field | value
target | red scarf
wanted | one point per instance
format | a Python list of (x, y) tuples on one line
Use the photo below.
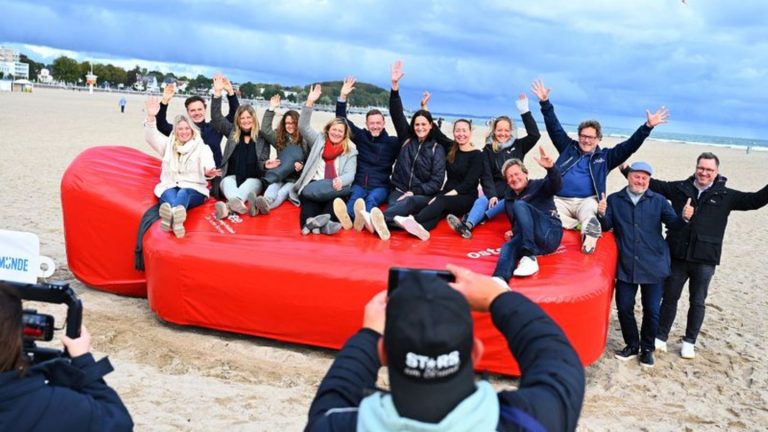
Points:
[(330, 153)]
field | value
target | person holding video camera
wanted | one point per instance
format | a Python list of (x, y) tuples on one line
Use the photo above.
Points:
[(423, 333), (56, 395)]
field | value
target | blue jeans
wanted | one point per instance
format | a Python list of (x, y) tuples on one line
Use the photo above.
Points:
[(650, 296), (536, 233), (373, 197), (186, 197), (481, 211), (700, 275)]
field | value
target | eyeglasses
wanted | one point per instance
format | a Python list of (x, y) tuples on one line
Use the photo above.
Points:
[(587, 137), (706, 170)]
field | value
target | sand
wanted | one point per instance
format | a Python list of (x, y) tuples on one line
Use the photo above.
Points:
[(179, 378)]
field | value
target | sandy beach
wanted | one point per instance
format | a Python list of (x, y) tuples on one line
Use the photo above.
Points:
[(175, 378)]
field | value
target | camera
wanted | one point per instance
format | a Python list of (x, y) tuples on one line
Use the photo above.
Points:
[(396, 275), (40, 327)]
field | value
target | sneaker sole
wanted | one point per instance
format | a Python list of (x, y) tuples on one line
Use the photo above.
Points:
[(646, 365), (262, 205), (359, 222), (340, 210), (179, 216), (252, 210), (166, 216), (414, 228), (379, 224), (220, 210), (618, 357), (589, 244), (237, 206)]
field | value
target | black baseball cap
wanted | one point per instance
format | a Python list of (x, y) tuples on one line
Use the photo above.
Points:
[(428, 340)]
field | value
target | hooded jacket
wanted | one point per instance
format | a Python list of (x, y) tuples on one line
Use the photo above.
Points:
[(549, 397), (701, 240), (62, 396)]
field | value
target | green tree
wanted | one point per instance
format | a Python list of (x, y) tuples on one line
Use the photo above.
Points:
[(34, 67), (65, 69), (248, 90), (132, 76)]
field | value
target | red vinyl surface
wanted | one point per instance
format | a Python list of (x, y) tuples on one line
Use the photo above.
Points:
[(262, 277)]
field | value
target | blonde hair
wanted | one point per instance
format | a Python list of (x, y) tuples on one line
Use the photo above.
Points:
[(492, 133), (254, 134), (183, 118), (345, 141)]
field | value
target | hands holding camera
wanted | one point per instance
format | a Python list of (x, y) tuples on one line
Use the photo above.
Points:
[(79, 346)]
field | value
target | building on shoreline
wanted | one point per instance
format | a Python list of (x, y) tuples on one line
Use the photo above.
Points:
[(10, 64)]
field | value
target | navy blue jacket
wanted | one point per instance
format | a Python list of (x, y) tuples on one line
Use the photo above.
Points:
[(643, 253), (493, 181), (602, 160), (539, 193), (551, 386), (375, 155), (61, 396), (420, 167), (701, 240), (211, 137)]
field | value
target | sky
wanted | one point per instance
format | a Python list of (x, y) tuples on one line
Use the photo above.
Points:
[(706, 60)]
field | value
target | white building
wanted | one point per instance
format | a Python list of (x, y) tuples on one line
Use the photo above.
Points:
[(10, 64), (44, 76)]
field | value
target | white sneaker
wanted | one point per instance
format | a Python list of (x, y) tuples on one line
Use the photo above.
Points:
[(359, 208), (412, 227), (526, 267), (340, 210), (379, 224), (660, 345), (687, 351)]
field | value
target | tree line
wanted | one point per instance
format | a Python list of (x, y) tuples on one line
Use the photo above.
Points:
[(68, 70)]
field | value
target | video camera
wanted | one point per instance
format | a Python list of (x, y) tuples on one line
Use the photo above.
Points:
[(40, 327)]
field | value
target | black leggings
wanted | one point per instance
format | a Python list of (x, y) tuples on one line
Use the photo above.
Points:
[(430, 215), (311, 208)]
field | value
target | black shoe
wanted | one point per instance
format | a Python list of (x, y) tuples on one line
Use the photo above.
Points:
[(646, 358), (628, 353), (459, 226)]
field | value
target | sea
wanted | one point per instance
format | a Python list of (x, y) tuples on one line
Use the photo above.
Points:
[(747, 144)]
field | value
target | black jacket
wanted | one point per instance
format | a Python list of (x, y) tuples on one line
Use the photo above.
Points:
[(493, 181), (61, 396), (701, 240), (551, 389), (375, 155), (420, 167)]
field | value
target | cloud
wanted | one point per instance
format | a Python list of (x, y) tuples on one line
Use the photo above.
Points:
[(603, 58)]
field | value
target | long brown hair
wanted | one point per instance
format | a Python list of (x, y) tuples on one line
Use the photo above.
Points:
[(282, 134), (12, 354), (451, 156)]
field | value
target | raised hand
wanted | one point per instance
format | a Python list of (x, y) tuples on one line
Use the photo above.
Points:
[(540, 91), (602, 205), (397, 74), (274, 102), (151, 106), (478, 289), (218, 84), (168, 92), (659, 117), (314, 94), (228, 86), (347, 87), (544, 159), (522, 103), (425, 100), (688, 210)]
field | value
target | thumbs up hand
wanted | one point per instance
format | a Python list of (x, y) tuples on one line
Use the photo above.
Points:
[(602, 205), (687, 210)]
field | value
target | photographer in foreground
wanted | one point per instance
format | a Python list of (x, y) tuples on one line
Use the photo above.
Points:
[(429, 349), (57, 395)]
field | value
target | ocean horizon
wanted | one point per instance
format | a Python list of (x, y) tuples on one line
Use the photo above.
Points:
[(674, 137)]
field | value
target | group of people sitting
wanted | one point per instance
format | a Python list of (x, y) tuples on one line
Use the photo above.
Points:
[(346, 177)]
